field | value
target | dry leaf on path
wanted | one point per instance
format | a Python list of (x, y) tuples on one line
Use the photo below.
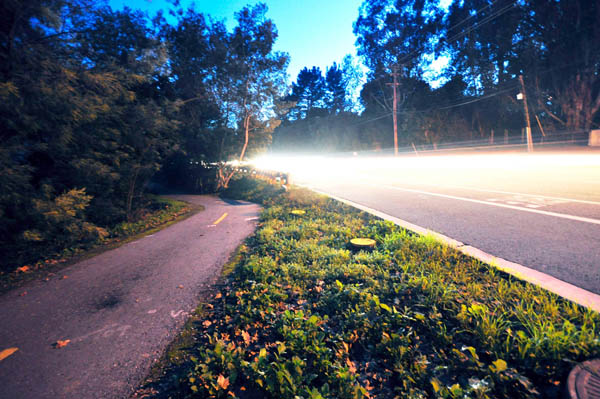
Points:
[(7, 352), (61, 344), (207, 323), (23, 269)]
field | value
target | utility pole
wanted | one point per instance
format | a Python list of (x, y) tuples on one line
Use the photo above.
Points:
[(395, 116), (528, 128)]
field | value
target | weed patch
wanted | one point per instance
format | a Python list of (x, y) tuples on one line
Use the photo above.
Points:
[(304, 315), (159, 213)]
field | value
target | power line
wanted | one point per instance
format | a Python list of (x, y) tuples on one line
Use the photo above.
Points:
[(410, 56), (388, 114), (476, 25)]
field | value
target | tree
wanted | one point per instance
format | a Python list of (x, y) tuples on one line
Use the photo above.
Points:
[(480, 36), (257, 75), (559, 54), (394, 32), (353, 79), (80, 110), (336, 89), (198, 51), (308, 92)]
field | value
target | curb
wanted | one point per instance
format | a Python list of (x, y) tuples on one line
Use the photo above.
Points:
[(566, 290)]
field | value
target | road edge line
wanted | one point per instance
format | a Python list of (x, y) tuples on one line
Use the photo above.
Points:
[(561, 288)]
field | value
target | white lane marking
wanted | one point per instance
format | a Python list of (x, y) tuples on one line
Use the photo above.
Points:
[(151, 311), (106, 331), (517, 208), (252, 218), (483, 190)]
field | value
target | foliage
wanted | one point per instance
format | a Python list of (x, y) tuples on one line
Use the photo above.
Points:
[(485, 45), (308, 92), (99, 100), (322, 117), (257, 191), (160, 211), (62, 223), (64, 234), (304, 315)]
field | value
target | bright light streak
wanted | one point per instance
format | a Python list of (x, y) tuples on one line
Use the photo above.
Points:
[(439, 168), (337, 164)]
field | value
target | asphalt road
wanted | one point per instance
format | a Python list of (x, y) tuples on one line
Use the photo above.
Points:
[(119, 309), (540, 210)]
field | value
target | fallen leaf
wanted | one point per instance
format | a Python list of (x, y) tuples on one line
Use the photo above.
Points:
[(7, 352), (180, 286), (351, 366), (207, 323), (61, 344), (246, 337), (23, 269), (346, 347), (64, 277), (23, 293), (222, 381), (218, 296)]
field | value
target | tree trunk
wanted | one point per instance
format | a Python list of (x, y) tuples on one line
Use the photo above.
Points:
[(131, 193), (246, 136)]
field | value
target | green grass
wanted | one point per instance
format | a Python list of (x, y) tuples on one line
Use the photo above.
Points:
[(162, 213), (303, 315)]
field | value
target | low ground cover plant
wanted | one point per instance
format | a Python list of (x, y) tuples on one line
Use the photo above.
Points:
[(303, 315), (68, 235)]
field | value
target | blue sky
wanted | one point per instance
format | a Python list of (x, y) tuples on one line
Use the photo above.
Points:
[(313, 32)]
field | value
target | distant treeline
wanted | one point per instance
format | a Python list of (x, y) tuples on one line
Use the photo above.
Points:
[(485, 45)]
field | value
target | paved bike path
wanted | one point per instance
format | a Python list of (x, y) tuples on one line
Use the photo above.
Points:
[(119, 309)]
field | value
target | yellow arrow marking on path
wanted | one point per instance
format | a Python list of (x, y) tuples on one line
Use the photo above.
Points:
[(7, 352), (219, 220)]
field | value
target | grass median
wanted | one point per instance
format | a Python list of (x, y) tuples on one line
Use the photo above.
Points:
[(304, 315)]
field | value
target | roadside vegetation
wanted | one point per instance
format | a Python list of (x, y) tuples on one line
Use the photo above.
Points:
[(69, 237), (304, 315)]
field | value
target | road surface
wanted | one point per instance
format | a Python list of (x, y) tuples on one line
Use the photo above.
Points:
[(119, 309), (539, 210)]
